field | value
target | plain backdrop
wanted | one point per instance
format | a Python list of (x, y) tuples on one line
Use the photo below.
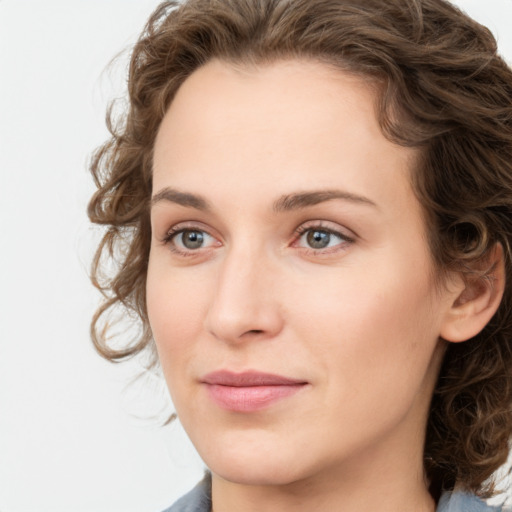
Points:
[(72, 432)]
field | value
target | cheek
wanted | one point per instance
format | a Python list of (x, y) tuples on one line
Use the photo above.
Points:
[(176, 304), (367, 327), (371, 343)]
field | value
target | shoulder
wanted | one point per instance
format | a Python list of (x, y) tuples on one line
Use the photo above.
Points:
[(465, 502), (197, 500)]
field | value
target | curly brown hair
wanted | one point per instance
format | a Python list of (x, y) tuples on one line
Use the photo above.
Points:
[(443, 89)]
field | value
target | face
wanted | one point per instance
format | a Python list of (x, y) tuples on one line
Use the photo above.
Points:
[(290, 287)]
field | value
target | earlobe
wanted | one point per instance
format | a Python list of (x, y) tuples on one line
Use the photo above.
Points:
[(477, 299)]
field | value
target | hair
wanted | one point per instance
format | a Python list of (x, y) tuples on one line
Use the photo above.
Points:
[(442, 89)]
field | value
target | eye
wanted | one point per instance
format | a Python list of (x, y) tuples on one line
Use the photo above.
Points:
[(318, 238), (189, 240)]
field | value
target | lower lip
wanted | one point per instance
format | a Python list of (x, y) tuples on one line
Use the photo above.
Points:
[(250, 398)]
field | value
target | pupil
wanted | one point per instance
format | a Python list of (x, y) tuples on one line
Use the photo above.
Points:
[(192, 239), (318, 239)]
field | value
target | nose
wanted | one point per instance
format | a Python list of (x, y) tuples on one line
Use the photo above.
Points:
[(244, 305)]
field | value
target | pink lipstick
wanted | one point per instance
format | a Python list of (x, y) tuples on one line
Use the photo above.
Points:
[(249, 391)]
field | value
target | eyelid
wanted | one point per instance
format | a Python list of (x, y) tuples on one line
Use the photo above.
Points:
[(191, 225), (329, 227)]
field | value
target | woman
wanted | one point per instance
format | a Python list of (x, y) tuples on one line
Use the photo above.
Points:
[(310, 203)]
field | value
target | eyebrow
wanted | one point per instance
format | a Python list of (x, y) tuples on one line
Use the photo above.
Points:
[(182, 198), (304, 199), (285, 203)]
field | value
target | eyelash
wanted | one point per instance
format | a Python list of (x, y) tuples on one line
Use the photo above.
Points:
[(322, 228), (170, 236)]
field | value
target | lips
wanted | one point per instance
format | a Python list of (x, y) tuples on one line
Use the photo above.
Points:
[(249, 391), (250, 378)]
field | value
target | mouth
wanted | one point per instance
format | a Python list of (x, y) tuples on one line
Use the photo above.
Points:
[(249, 391)]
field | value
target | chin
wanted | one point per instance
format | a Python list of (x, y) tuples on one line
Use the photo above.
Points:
[(249, 462), (254, 473)]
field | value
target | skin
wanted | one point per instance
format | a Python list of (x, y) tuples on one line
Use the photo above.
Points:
[(359, 320)]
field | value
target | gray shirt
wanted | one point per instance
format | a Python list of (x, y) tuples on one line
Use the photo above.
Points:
[(199, 500)]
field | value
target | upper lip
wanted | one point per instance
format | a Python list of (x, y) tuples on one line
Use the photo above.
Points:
[(248, 378)]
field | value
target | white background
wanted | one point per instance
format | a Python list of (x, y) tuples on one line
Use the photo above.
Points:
[(69, 436)]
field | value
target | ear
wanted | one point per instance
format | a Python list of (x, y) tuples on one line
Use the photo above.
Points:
[(476, 299)]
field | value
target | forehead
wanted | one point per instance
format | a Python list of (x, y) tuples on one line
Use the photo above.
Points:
[(294, 121)]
